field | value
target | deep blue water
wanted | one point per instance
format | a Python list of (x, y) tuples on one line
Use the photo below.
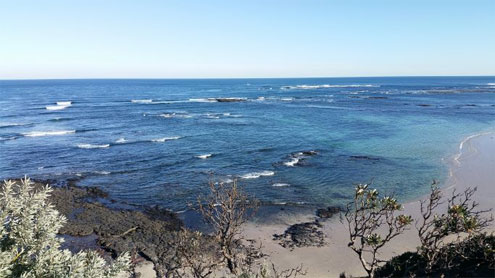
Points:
[(140, 139)]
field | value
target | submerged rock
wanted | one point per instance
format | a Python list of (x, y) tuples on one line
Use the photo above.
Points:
[(364, 157), (328, 212), (309, 153)]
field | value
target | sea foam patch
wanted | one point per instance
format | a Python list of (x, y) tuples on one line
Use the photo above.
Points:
[(60, 105), (255, 175), (309, 87), (204, 156), (141, 100), (164, 139), (280, 184), (92, 146), (48, 133)]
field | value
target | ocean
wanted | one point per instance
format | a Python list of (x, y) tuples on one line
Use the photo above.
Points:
[(299, 141)]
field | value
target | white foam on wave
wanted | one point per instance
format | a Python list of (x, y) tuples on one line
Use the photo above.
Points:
[(175, 115), (292, 162), (287, 99), (212, 116), (204, 156), (141, 100), (164, 139), (3, 125), (91, 146), (308, 87), (461, 145), (203, 100), (121, 140), (255, 175), (48, 133), (60, 105), (103, 172), (56, 107), (280, 184)]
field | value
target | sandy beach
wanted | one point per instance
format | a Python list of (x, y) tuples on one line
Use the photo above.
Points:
[(473, 166)]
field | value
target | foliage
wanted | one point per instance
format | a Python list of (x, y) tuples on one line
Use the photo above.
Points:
[(477, 259), (268, 270), (29, 246), (226, 209), (461, 219), (365, 217)]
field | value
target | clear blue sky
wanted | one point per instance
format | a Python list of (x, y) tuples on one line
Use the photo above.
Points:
[(250, 38)]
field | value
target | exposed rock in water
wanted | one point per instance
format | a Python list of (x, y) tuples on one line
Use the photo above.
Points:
[(309, 153), (328, 212), (298, 158), (230, 99), (302, 235)]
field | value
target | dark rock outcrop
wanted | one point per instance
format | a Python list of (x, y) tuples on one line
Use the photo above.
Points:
[(328, 212), (302, 235), (230, 99)]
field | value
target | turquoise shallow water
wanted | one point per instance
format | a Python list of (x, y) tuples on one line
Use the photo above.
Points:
[(160, 141)]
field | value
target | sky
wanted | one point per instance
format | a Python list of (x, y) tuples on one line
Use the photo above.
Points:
[(251, 38)]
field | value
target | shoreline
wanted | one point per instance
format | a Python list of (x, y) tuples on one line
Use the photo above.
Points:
[(93, 218), (469, 168)]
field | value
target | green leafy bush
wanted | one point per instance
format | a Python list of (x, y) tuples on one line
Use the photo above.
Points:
[(29, 246)]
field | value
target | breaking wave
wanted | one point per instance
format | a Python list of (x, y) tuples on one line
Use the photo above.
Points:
[(204, 156), (91, 146), (102, 172), (202, 100), (297, 157), (6, 125), (48, 133), (121, 140), (175, 115), (141, 100), (280, 184), (308, 87), (255, 175), (164, 139), (60, 105)]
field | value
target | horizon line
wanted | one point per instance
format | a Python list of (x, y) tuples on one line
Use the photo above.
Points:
[(231, 78)]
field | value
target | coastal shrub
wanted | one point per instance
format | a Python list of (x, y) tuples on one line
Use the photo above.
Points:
[(460, 221), (226, 209), (269, 270), (365, 216), (477, 259), (29, 246), (194, 255)]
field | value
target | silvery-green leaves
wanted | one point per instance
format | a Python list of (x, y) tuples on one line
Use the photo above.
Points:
[(29, 246)]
